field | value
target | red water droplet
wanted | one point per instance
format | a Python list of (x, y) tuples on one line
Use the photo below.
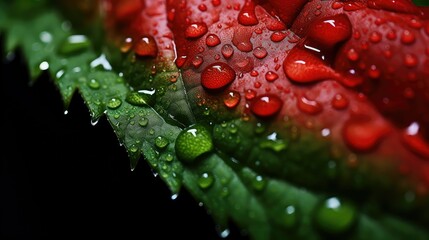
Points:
[(361, 133), (257, 84), (216, 2), (278, 36), (409, 93), (180, 61), (241, 39), (331, 30), (352, 55), (146, 47), (375, 37), (410, 60), (202, 7), (231, 99), (254, 73), (309, 106), (196, 30), (227, 51), (247, 16), (414, 141), (391, 35), (260, 52), (339, 101), (373, 72), (415, 23), (266, 105), (197, 61), (217, 75), (337, 5), (271, 76), (250, 94), (407, 37), (303, 67), (212, 40), (356, 35)]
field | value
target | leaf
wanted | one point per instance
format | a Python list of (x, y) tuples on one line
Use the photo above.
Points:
[(269, 200)]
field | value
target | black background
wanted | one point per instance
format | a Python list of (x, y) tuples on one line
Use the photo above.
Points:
[(61, 177)]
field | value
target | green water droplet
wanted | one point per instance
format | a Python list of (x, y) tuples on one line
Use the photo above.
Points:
[(161, 142), (289, 218), (143, 122), (205, 180), (114, 103), (74, 44), (141, 98), (94, 84), (232, 128), (334, 216), (193, 142), (116, 116), (133, 148), (169, 157), (206, 111), (152, 131), (274, 143), (259, 183), (260, 128), (224, 192)]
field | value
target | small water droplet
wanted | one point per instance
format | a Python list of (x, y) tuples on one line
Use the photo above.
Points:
[(94, 84), (361, 133), (231, 99), (407, 37), (143, 121), (260, 52), (259, 183), (141, 97), (205, 180), (227, 50), (271, 76), (174, 196), (217, 75), (309, 106), (196, 30), (266, 105), (212, 40), (44, 66), (146, 46)]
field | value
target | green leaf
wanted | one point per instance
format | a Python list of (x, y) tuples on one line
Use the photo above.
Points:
[(218, 163), (424, 3)]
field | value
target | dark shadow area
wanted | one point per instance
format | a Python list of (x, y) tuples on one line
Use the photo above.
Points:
[(62, 178)]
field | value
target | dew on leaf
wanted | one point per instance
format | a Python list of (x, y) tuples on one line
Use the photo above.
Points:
[(205, 180), (114, 103), (94, 84), (45, 37), (289, 218), (193, 142), (141, 97), (259, 183), (161, 142), (44, 66), (335, 216), (74, 44)]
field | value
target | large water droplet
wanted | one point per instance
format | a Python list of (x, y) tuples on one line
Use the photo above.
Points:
[(247, 16), (217, 75), (193, 142), (114, 103), (414, 140), (196, 30), (161, 142), (212, 40), (146, 46), (309, 106), (334, 216)]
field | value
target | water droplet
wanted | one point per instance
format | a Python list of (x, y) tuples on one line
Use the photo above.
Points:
[(114, 103), (289, 218), (278, 36), (45, 37), (407, 37), (260, 52), (217, 76), (271, 76), (126, 45), (247, 16), (250, 94), (231, 99), (414, 140), (334, 216), (309, 106), (74, 44), (331, 30), (196, 30), (202, 7), (266, 105), (375, 37), (143, 121), (193, 142), (212, 40), (146, 46), (205, 180), (373, 72), (352, 55), (197, 61), (44, 66), (361, 133), (94, 84), (227, 51), (259, 183), (339, 101), (174, 196), (410, 60), (161, 142), (391, 35), (141, 97)]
